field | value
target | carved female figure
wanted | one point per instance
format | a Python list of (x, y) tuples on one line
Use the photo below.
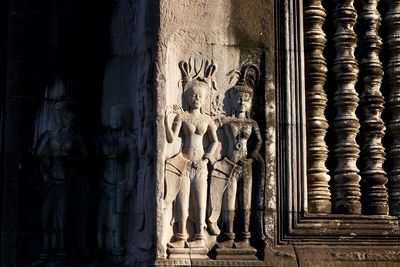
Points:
[(186, 172), (57, 149), (231, 178), (119, 151)]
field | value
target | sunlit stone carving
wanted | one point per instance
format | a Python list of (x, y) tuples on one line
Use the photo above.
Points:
[(231, 184), (186, 173)]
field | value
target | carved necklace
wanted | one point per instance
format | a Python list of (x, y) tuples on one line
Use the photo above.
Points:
[(186, 116)]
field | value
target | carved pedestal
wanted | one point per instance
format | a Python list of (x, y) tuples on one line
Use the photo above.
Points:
[(235, 254), (187, 253)]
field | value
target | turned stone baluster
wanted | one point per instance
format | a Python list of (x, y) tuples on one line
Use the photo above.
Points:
[(317, 124), (374, 192), (392, 22), (346, 191)]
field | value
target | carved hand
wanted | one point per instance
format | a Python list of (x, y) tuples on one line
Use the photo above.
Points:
[(174, 109), (168, 111), (177, 109), (210, 157)]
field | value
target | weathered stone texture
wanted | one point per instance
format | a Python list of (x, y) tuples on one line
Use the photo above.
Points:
[(321, 76)]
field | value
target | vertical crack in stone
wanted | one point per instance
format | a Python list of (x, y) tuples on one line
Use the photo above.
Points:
[(346, 193), (392, 22), (374, 192), (317, 124)]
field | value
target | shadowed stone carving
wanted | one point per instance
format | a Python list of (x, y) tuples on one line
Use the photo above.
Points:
[(146, 159), (186, 173), (231, 183), (59, 150), (119, 150)]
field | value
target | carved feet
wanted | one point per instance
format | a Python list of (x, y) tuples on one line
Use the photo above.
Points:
[(45, 259), (177, 244), (232, 244), (39, 262), (226, 244), (197, 243), (242, 244), (213, 228)]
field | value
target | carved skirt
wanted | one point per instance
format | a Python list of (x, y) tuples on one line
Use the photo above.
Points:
[(230, 187), (55, 204), (186, 183)]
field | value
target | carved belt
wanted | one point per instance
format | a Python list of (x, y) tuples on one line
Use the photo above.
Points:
[(193, 167)]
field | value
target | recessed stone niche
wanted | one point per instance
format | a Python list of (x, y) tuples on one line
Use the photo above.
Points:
[(199, 35)]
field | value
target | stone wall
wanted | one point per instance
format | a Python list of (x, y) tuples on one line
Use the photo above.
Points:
[(321, 103)]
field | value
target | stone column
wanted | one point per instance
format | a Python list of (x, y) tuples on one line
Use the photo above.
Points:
[(392, 22), (346, 191), (374, 193), (317, 124)]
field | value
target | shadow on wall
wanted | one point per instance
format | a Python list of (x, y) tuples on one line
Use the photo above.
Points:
[(61, 45)]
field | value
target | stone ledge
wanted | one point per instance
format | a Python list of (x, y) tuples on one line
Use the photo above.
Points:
[(208, 262), (347, 256)]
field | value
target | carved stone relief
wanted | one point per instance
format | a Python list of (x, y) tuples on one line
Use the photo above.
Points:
[(59, 151), (231, 183), (228, 186), (118, 148), (186, 173)]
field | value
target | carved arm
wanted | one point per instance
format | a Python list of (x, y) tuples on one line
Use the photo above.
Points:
[(172, 133), (256, 130), (41, 147), (212, 134), (132, 166)]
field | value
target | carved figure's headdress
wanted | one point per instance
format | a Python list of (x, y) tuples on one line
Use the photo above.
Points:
[(207, 67), (124, 113), (249, 77)]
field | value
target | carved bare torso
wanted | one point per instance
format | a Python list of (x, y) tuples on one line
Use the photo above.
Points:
[(116, 151), (194, 129), (58, 145), (238, 132)]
